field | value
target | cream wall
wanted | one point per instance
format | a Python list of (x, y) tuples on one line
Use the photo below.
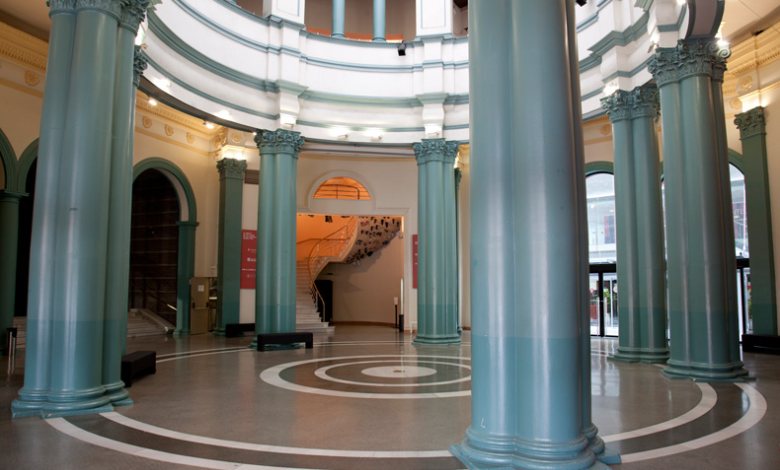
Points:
[(365, 291)]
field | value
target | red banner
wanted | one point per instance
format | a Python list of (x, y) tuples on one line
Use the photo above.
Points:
[(248, 258), (414, 260)]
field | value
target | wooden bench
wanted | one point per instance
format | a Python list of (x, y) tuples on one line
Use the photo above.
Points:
[(137, 364), (264, 339), (769, 344), (238, 329)]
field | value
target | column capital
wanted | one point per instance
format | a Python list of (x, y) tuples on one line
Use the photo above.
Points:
[(110, 7), (435, 150), (644, 101), (61, 6), (231, 168), (751, 123), (279, 141), (139, 65), (617, 105), (691, 57), (133, 13)]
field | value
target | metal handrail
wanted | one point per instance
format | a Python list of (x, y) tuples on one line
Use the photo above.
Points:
[(315, 262)]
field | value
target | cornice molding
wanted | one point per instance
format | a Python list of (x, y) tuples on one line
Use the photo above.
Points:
[(279, 141), (435, 150), (751, 123), (23, 48)]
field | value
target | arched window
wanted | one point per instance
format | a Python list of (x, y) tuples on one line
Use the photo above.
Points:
[(600, 195), (342, 188)]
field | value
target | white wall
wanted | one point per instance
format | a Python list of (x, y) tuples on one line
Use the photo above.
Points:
[(364, 291)]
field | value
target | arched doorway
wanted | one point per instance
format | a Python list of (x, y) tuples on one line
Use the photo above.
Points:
[(154, 242), (365, 280), (26, 177), (162, 249), (602, 237)]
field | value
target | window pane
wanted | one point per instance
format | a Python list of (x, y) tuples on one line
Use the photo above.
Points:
[(601, 217)]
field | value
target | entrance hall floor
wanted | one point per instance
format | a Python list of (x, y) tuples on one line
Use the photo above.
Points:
[(366, 398)]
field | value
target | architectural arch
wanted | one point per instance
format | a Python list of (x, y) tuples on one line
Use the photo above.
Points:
[(26, 161), (736, 159), (591, 168), (188, 208), (185, 269), (8, 160), (338, 205)]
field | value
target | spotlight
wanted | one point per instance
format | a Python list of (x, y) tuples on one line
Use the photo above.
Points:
[(581, 2), (402, 49)]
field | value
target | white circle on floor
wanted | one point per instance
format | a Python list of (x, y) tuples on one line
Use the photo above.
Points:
[(323, 373), (398, 372), (272, 376)]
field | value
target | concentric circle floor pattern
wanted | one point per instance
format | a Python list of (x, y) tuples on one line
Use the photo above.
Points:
[(381, 403)]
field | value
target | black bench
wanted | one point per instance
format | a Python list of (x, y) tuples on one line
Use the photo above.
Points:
[(137, 364), (264, 339), (761, 344), (238, 329)]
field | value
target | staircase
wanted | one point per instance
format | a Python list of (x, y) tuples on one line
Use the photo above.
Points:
[(306, 316), (140, 322)]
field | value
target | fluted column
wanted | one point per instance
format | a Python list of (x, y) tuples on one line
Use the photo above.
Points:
[(9, 220), (639, 224), (69, 369), (231, 188), (701, 297), (275, 298), (752, 130), (339, 11), (527, 194), (130, 63), (437, 315), (379, 21)]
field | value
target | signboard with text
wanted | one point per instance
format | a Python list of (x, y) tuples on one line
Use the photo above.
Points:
[(248, 258)]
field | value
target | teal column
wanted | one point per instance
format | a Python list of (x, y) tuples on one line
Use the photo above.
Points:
[(701, 296), (9, 220), (752, 129), (339, 11), (33, 394), (231, 189), (526, 198), (639, 224), (71, 226), (184, 272), (275, 295), (379, 21), (129, 66), (437, 315)]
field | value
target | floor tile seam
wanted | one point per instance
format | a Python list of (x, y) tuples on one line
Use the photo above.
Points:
[(269, 448), (755, 413)]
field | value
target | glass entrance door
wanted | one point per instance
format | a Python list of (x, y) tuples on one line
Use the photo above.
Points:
[(603, 307)]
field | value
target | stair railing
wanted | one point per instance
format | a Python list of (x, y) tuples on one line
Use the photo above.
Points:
[(334, 246)]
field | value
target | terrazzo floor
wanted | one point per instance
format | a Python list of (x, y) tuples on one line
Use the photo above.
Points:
[(366, 398)]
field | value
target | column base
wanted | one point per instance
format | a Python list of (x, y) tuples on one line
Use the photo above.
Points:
[(219, 331), (337, 35), (481, 451), (728, 372), (437, 339), (51, 404), (118, 395), (181, 332), (378, 40), (644, 355)]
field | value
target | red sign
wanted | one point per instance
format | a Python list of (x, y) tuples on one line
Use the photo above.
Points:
[(415, 244), (248, 258)]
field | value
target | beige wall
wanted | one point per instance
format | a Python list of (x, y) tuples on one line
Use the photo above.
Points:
[(365, 291)]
